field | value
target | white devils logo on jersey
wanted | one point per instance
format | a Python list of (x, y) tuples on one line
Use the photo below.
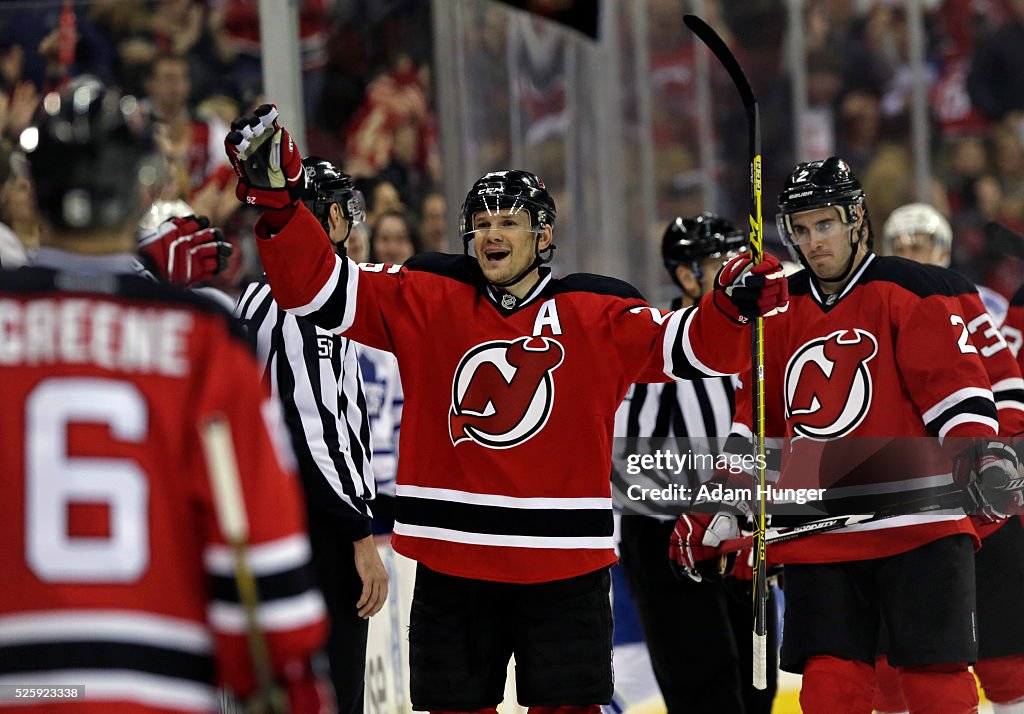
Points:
[(503, 391), (828, 384)]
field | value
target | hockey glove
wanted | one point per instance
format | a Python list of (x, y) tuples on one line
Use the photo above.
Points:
[(988, 472), (692, 548), (184, 251), (744, 291), (265, 159)]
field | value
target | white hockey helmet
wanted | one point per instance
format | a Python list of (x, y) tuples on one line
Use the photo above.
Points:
[(919, 218)]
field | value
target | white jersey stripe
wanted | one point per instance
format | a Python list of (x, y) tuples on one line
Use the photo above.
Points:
[(1008, 384), (688, 348), (131, 685), (967, 419), (274, 616), (953, 399), (264, 558), (487, 499), (504, 540), (107, 626), (325, 292)]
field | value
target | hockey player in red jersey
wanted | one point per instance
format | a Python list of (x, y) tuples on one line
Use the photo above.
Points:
[(116, 573), (872, 347), (511, 380), (917, 231)]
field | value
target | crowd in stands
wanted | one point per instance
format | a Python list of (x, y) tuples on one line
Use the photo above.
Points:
[(369, 104)]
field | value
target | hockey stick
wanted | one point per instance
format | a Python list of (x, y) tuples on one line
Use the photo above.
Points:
[(954, 497), (760, 580), (1003, 240), (234, 525)]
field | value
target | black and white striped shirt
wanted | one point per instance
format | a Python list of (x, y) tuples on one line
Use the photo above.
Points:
[(315, 375), (684, 416)]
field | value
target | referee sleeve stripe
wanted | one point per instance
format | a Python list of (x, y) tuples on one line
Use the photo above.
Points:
[(318, 406)]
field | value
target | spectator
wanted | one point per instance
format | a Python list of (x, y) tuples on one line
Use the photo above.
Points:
[(996, 78), (192, 145), (394, 239), (433, 224)]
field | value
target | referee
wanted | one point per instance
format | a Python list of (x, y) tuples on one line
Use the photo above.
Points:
[(698, 634), (315, 374)]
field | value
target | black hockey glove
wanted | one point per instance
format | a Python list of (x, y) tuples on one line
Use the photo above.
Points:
[(265, 159), (988, 472)]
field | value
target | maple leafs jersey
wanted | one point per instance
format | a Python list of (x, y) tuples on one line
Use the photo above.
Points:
[(509, 403), (115, 572), (885, 364)]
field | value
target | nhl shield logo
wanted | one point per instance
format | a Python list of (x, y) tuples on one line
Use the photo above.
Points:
[(503, 391), (828, 384)]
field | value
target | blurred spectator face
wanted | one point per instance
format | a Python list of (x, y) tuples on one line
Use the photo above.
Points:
[(391, 241), (168, 85), (860, 117), (969, 157), (989, 195), (404, 144), (385, 198), (1008, 152), (17, 201), (434, 227)]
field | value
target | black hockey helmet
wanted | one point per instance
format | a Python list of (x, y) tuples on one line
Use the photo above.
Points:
[(819, 184), (90, 149), (327, 184), (690, 241), (513, 189)]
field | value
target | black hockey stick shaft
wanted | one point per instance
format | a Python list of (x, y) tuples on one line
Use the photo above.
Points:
[(1003, 240), (953, 497), (760, 578)]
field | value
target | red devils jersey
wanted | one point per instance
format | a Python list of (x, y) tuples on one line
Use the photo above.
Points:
[(115, 574), (1003, 371), (509, 403), (889, 359)]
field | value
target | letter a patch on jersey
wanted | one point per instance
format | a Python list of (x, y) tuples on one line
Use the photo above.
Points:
[(503, 391), (828, 384)]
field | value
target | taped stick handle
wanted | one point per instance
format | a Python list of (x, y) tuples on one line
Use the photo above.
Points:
[(219, 450)]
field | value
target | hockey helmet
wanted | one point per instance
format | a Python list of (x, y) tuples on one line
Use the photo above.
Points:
[(691, 241), (819, 184), (514, 190), (327, 184), (90, 149), (918, 219)]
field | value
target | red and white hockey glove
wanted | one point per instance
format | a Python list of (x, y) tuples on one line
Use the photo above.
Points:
[(265, 159), (988, 472), (744, 291), (693, 545), (184, 251)]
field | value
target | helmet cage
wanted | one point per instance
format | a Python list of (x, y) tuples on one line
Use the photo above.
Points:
[(327, 185), (845, 206)]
